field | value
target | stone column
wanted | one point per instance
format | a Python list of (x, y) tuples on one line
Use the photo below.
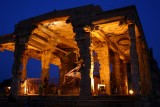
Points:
[(144, 66), (16, 68), (103, 57), (117, 73), (45, 62), (24, 65), (22, 34), (84, 50), (83, 42), (124, 83), (92, 69), (141, 65), (82, 28), (147, 69), (135, 79), (65, 68)]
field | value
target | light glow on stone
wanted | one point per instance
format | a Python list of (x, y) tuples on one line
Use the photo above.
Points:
[(131, 92)]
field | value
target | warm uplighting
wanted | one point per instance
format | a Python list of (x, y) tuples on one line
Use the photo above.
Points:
[(58, 22), (131, 92), (25, 87), (9, 88), (101, 85), (92, 69), (31, 86)]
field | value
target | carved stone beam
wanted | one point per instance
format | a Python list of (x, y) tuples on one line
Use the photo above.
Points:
[(37, 55), (56, 61), (57, 37), (39, 32), (46, 43), (61, 50), (122, 55), (7, 46), (39, 39), (33, 54), (32, 45), (108, 20), (41, 43)]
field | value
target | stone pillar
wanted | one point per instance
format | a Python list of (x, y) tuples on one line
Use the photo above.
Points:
[(124, 83), (22, 36), (83, 42), (24, 65), (144, 66), (135, 79), (82, 30), (45, 62), (117, 73), (147, 69), (103, 57), (141, 65), (65, 68), (17, 65), (92, 68)]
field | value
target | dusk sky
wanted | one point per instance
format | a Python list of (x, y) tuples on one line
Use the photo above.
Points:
[(13, 11)]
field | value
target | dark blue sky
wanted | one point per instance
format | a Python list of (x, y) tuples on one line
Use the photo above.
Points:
[(13, 11)]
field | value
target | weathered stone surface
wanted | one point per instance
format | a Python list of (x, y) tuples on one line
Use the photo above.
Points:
[(82, 31), (118, 74), (16, 69), (135, 79), (103, 57), (24, 67), (85, 85), (124, 83)]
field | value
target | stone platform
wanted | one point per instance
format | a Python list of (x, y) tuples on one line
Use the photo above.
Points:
[(76, 101)]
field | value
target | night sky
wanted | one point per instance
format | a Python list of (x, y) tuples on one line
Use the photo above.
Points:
[(13, 11)]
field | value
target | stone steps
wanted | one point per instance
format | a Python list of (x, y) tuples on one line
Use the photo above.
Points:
[(76, 101)]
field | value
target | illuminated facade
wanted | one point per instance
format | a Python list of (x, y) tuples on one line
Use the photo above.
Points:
[(76, 40)]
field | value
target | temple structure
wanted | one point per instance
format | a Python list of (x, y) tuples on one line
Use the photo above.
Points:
[(106, 50)]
